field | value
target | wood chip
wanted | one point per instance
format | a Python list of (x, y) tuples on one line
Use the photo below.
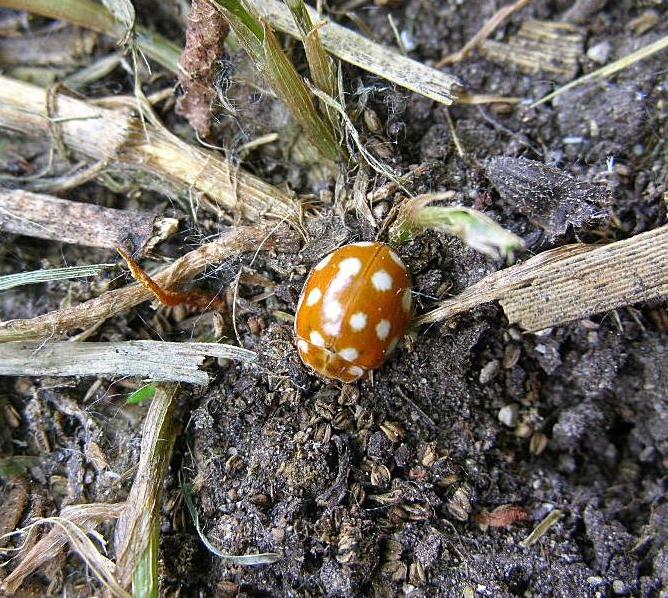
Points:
[(540, 46)]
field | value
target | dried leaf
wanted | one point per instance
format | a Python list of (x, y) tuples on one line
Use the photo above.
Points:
[(549, 197), (205, 41)]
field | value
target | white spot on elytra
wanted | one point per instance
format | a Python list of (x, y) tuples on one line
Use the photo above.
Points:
[(358, 321), (362, 244), (333, 309), (383, 329), (348, 269), (351, 266), (316, 339), (323, 262), (302, 345), (407, 301), (397, 260), (393, 345), (381, 281), (349, 354), (313, 296), (355, 371), (332, 328)]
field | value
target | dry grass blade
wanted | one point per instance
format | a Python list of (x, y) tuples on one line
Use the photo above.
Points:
[(542, 528), (263, 558), (82, 517), (609, 69), (354, 48), (48, 217), (234, 241), (267, 54), (91, 15), (37, 276), (321, 66), (155, 360), (145, 579), (116, 136), (124, 14), (570, 283), (142, 507)]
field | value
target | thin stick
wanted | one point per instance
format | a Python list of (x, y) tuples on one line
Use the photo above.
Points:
[(486, 30), (609, 69), (57, 323)]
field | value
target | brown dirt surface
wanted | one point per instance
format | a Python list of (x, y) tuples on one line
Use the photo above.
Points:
[(426, 479)]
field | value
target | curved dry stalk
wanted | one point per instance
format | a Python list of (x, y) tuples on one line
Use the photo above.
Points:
[(91, 15), (109, 131), (74, 521), (142, 507), (236, 240)]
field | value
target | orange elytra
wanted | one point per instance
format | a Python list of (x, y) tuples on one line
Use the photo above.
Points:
[(354, 308)]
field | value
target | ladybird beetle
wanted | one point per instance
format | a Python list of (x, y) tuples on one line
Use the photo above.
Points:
[(354, 308)]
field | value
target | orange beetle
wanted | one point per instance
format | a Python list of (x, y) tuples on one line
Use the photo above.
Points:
[(354, 308)]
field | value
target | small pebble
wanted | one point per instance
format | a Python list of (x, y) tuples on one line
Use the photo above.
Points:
[(508, 415), (618, 586), (488, 372), (600, 52)]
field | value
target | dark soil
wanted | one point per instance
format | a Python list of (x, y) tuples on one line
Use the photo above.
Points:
[(383, 488)]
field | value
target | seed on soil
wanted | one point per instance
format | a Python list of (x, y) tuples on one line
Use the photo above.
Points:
[(396, 570), (523, 430), (380, 475), (508, 415), (416, 574), (538, 443), (511, 356), (372, 121), (459, 505), (430, 455), (488, 372), (393, 430), (357, 494)]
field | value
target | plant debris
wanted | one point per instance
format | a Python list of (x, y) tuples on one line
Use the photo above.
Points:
[(549, 197), (200, 65), (148, 359)]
